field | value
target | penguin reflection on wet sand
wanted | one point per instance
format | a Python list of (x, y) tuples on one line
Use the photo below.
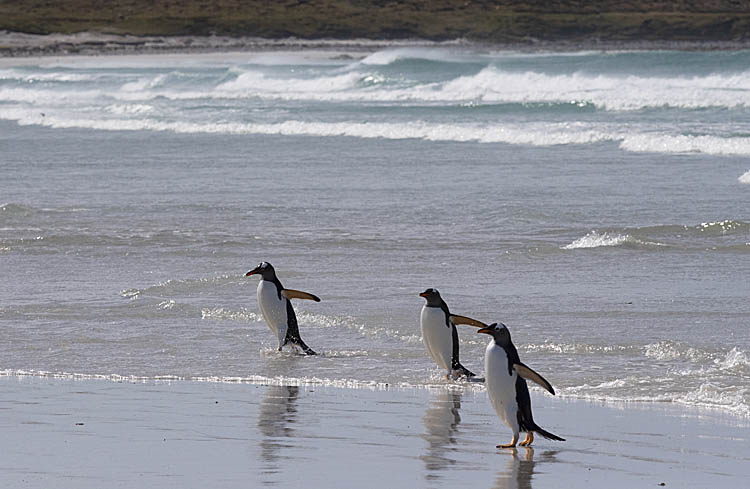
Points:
[(440, 335), (276, 307), (506, 386)]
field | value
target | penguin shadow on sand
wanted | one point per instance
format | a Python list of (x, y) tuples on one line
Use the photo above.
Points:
[(276, 419), (520, 467), (441, 420)]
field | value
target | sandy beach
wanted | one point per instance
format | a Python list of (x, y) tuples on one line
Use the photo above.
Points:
[(95, 433)]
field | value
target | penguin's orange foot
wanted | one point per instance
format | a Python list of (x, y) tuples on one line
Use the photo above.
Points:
[(529, 439), (512, 443)]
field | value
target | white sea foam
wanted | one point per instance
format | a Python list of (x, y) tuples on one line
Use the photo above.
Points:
[(579, 348), (537, 135), (745, 177), (220, 313), (257, 84), (89, 99), (250, 379), (596, 240), (670, 350), (668, 143), (129, 109), (27, 77), (144, 83), (390, 56), (735, 359), (710, 395), (491, 85)]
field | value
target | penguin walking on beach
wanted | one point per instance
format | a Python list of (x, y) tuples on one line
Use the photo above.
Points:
[(276, 306), (506, 386), (440, 335)]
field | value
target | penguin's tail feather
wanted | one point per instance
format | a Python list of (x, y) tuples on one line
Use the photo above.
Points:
[(461, 371), (547, 434), (306, 349)]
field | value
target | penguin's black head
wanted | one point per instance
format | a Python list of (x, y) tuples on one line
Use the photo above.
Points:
[(265, 270), (432, 296), (499, 332)]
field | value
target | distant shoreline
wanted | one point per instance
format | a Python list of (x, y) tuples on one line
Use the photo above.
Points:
[(15, 45)]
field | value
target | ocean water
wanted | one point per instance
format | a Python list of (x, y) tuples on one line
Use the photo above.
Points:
[(598, 203)]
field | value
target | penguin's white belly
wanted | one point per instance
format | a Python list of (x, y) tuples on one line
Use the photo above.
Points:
[(273, 309), (437, 336), (501, 387)]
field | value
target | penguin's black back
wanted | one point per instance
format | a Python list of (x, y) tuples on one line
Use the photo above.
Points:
[(455, 362), (523, 399), (292, 328)]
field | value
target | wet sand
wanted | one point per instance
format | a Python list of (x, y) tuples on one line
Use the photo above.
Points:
[(94, 433)]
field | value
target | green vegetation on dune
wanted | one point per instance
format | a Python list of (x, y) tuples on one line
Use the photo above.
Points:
[(490, 21)]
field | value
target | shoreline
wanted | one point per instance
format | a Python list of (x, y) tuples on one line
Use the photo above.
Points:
[(67, 433), (21, 45), (474, 387)]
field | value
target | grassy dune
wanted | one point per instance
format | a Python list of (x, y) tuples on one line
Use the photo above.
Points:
[(488, 21)]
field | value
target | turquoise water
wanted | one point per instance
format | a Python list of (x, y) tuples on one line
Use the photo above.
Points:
[(597, 203)]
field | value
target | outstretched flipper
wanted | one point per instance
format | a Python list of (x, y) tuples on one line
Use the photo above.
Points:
[(298, 294), (528, 374), (456, 319)]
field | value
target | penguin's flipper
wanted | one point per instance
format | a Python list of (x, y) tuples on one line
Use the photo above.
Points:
[(298, 294), (456, 319), (528, 374)]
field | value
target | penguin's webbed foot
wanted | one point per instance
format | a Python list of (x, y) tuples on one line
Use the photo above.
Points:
[(512, 443), (529, 439)]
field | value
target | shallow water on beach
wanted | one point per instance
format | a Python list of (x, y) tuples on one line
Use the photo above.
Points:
[(596, 203)]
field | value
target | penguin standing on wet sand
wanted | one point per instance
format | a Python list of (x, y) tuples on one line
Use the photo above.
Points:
[(506, 386), (276, 306), (440, 335)]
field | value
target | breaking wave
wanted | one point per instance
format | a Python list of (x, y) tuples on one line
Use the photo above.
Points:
[(595, 239), (489, 85), (726, 234)]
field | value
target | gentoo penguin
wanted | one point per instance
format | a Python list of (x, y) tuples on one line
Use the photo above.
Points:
[(440, 336), (506, 387), (275, 304)]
